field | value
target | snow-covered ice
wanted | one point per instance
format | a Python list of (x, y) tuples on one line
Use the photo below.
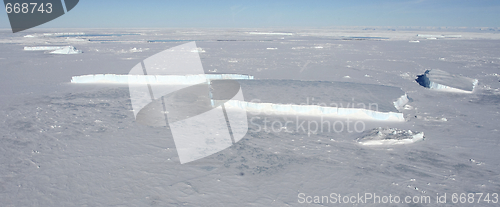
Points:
[(64, 144)]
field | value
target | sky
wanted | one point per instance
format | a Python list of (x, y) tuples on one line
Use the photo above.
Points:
[(278, 13)]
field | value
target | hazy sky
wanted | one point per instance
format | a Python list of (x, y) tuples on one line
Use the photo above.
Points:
[(291, 13)]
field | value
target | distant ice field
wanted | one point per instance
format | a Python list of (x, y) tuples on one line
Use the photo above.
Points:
[(63, 144)]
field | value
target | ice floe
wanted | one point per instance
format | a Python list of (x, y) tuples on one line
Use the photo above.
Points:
[(390, 136)]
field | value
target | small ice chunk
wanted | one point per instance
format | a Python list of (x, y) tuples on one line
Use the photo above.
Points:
[(389, 136), (67, 50)]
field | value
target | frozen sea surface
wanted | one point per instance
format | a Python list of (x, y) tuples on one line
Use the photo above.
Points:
[(74, 145)]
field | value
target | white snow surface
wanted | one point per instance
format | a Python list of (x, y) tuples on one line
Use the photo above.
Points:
[(65, 144)]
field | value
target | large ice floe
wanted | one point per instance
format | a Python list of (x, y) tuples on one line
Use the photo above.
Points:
[(444, 81), (389, 136)]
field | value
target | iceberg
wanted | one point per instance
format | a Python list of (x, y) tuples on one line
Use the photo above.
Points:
[(400, 103), (55, 49), (64, 34), (438, 36), (321, 98), (271, 33), (314, 110), (444, 81), (41, 48), (325, 94), (156, 79)]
